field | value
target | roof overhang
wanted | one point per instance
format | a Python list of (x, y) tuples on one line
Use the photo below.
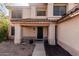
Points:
[(31, 22), (68, 17)]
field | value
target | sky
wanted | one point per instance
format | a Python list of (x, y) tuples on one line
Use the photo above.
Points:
[(4, 10), (19, 2), (25, 2)]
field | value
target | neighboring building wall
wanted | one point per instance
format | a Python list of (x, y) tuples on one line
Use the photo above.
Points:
[(68, 35)]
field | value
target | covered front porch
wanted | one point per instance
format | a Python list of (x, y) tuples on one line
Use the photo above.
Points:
[(34, 31)]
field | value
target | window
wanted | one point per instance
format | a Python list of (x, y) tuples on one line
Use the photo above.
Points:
[(16, 14), (12, 30), (59, 10), (41, 13)]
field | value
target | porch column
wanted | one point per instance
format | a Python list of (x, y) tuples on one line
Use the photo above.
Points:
[(17, 38), (51, 34)]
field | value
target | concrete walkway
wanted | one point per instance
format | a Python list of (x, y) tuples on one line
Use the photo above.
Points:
[(39, 49)]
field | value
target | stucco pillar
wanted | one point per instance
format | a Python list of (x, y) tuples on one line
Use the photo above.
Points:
[(51, 34), (17, 38), (50, 10)]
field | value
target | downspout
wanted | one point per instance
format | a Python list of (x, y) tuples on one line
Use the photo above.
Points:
[(56, 34)]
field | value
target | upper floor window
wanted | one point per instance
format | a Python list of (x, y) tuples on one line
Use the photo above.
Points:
[(40, 11), (59, 10), (16, 14)]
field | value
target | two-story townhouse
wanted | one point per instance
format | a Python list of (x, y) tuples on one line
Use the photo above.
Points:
[(36, 21)]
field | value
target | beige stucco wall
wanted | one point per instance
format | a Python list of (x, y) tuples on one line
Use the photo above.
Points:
[(32, 32), (29, 32), (26, 13), (68, 35)]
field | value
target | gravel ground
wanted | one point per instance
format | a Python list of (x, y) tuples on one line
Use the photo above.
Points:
[(57, 50), (10, 49)]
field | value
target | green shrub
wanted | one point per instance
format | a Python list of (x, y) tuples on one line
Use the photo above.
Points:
[(3, 27)]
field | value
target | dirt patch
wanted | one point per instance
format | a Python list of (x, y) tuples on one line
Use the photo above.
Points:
[(10, 49)]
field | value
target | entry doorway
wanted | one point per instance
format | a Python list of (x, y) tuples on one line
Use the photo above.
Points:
[(39, 32)]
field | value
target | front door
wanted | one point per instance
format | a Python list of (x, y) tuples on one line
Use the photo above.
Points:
[(40, 32)]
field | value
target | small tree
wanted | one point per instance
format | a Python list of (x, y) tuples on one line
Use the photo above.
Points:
[(3, 27)]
